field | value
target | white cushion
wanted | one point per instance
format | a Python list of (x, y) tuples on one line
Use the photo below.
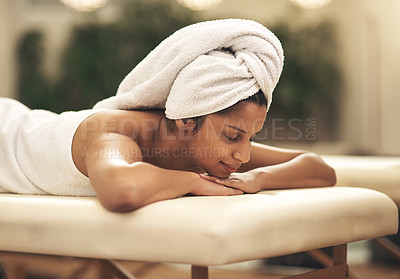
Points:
[(196, 230), (373, 172)]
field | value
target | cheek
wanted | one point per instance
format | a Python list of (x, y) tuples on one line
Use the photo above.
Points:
[(211, 149), (217, 146)]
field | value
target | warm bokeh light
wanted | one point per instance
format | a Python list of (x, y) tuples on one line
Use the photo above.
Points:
[(310, 4), (199, 5), (84, 5)]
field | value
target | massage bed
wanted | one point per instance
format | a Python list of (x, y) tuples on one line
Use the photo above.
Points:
[(380, 173), (198, 231), (374, 172)]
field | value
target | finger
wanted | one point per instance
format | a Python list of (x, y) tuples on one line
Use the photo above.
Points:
[(233, 192), (207, 177), (232, 183), (226, 182), (221, 190)]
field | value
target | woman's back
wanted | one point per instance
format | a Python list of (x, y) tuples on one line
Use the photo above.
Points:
[(35, 148)]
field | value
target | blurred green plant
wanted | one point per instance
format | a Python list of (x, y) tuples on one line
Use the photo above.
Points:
[(311, 82), (35, 89), (98, 56)]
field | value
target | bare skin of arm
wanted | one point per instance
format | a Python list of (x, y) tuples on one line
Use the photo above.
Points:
[(277, 168), (110, 154), (112, 160)]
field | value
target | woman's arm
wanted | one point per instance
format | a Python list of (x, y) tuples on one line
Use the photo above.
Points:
[(113, 163), (276, 168)]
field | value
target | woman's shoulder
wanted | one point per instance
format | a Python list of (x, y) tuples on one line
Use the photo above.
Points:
[(123, 121), (115, 115)]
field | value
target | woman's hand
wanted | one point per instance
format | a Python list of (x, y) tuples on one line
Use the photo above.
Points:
[(207, 186), (245, 182)]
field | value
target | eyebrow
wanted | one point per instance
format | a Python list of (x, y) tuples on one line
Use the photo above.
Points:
[(236, 128)]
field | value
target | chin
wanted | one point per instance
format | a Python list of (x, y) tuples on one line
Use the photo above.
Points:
[(221, 175)]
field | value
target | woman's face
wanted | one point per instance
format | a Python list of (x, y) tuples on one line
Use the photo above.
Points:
[(223, 142)]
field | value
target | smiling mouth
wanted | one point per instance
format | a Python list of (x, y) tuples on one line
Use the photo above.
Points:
[(229, 168)]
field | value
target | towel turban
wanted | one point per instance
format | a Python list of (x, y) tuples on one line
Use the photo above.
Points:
[(203, 68)]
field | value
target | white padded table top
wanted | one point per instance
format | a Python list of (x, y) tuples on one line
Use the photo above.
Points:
[(374, 172), (196, 230)]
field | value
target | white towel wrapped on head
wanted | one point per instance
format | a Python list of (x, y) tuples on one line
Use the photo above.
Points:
[(203, 68)]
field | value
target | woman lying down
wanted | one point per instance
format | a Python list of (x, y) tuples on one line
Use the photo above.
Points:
[(181, 123)]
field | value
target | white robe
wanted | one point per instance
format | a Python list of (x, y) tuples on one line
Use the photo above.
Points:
[(35, 151)]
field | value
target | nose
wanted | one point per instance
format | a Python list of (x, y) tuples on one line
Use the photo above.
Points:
[(242, 153)]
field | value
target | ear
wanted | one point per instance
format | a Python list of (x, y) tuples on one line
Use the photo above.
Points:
[(185, 124)]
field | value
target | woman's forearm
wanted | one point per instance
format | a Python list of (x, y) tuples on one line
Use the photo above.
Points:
[(305, 170), (156, 184), (125, 187)]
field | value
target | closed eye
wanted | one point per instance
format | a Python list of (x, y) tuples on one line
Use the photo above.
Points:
[(232, 138), (236, 138)]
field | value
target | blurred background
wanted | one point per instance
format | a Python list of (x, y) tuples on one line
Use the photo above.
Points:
[(338, 94)]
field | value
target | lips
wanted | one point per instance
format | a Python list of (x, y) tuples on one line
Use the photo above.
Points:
[(229, 168)]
